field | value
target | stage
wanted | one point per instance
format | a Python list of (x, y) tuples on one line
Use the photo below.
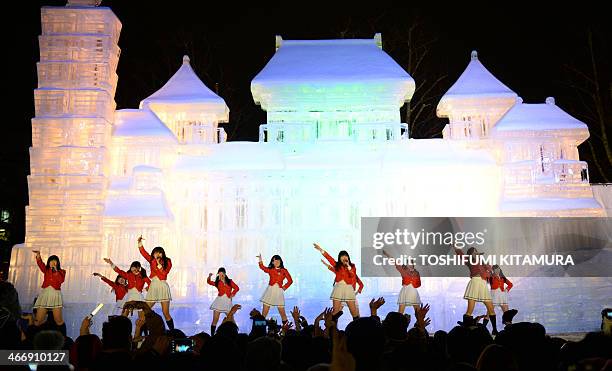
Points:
[(562, 305)]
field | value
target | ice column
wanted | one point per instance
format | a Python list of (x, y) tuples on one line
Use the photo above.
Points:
[(71, 131)]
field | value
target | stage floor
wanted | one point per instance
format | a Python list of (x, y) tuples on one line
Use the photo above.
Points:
[(569, 306)]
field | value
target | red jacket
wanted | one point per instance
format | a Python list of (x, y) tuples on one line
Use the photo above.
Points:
[(344, 274), (224, 289), (277, 276), (156, 271), (120, 290), (134, 280), (498, 283), (51, 278), (482, 270), (409, 277)]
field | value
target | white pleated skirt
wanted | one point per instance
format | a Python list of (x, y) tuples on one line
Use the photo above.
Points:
[(274, 296), (409, 296), (133, 295), (49, 298), (343, 292), (221, 304), (477, 290), (499, 297), (159, 291)]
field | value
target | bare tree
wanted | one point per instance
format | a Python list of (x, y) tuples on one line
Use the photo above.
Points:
[(589, 87)]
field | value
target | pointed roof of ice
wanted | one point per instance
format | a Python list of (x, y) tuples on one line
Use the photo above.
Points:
[(541, 117), (184, 87), (140, 123), (324, 66), (476, 80), (475, 83)]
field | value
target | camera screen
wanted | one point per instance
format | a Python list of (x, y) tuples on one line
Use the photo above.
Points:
[(260, 323), (182, 345)]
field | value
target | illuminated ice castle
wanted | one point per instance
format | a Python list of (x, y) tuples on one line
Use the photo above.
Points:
[(333, 149)]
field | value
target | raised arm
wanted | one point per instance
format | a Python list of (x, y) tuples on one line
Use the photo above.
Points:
[(328, 257), (289, 280), (120, 272), (108, 282), (39, 262), (263, 267), (144, 253), (235, 289), (328, 266), (209, 281)]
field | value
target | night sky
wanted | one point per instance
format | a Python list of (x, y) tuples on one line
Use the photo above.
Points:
[(531, 49)]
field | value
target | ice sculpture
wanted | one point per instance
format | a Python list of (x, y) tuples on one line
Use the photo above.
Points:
[(333, 149), (189, 108), (543, 175), (355, 94), (474, 103), (71, 136)]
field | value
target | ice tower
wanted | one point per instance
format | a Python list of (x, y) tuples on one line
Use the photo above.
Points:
[(71, 133), (189, 108), (474, 103)]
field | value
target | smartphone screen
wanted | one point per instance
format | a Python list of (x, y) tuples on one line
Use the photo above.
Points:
[(182, 345)]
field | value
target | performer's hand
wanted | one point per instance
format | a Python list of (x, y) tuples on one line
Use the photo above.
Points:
[(361, 289), (97, 275), (316, 246), (140, 239), (386, 254), (108, 261), (210, 275), (37, 252), (259, 257)]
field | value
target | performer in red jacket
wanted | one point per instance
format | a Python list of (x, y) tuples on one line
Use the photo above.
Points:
[(411, 281), (136, 279), (345, 282), (476, 290), (119, 287), (159, 290), (227, 289), (50, 298), (274, 296), (500, 287)]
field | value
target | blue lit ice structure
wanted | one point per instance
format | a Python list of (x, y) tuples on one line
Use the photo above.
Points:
[(333, 149)]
